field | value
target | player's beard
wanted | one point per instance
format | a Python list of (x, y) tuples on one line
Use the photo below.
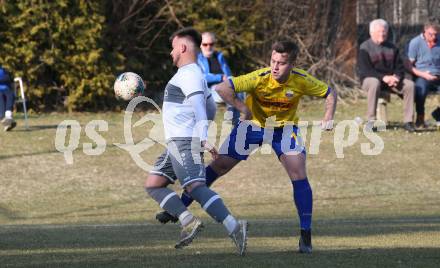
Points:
[(176, 59)]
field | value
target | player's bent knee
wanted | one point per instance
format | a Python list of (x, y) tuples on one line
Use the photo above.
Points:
[(297, 174), (218, 169), (223, 165), (154, 181), (298, 177), (296, 171)]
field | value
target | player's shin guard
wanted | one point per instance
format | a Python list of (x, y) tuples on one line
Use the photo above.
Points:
[(303, 197), (213, 205), (210, 202), (169, 201), (211, 176)]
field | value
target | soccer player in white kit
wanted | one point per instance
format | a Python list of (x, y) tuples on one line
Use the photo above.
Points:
[(186, 132)]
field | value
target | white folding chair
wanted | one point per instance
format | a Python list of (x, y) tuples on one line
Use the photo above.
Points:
[(21, 99)]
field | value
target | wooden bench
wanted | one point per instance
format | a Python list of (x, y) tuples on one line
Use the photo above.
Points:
[(385, 98), (381, 109)]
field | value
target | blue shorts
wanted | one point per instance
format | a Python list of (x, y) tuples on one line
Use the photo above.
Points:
[(246, 137)]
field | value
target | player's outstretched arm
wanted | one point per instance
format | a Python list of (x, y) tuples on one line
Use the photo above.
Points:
[(227, 93), (330, 108)]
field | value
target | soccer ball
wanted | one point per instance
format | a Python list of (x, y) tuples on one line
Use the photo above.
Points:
[(128, 85)]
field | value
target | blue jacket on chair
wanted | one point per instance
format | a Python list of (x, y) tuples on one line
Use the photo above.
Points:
[(211, 78), (5, 80)]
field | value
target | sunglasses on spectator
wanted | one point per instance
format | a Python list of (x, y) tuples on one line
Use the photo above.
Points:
[(431, 33), (208, 44)]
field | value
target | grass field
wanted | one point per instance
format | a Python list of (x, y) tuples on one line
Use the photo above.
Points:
[(369, 211)]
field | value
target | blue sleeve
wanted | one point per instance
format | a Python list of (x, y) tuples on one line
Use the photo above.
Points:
[(209, 77), (5, 78), (224, 65), (329, 90), (213, 78)]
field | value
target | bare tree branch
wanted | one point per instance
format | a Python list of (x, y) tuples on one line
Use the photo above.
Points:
[(173, 14)]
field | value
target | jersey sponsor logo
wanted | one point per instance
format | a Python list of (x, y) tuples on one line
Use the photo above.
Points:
[(289, 94), (275, 104)]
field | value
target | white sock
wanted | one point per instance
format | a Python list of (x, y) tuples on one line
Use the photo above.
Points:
[(185, 218), (231, 224), (8, 114)]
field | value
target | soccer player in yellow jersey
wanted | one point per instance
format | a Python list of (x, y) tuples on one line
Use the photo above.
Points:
[(270, 108)]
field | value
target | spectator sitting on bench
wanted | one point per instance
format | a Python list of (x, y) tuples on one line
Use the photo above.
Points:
[(424, 63), (380, 67)]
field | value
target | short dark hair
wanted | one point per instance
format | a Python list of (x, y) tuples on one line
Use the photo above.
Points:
[(189, 33), (433, 22), (288, 47)]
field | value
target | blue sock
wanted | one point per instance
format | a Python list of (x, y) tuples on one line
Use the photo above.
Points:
[(186, 199), (303, 197), (211, 176)]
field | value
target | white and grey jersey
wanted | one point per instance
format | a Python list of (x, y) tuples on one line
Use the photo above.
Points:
[(184, 105)]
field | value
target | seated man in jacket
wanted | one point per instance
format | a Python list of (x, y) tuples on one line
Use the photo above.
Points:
[(215, 69), (381, 68)]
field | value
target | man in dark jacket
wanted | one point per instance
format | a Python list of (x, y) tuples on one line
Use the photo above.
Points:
[(381, 68), (6, 100)]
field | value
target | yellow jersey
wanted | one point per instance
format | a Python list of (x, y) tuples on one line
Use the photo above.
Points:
[(267, 98)]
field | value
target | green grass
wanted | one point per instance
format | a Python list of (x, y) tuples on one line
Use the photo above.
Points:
[(380, 211)]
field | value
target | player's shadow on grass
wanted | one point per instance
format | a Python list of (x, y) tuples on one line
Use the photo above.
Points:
[(28, 154), (29, 237), (265, 257), (394, 125), (339, 227), (151, 245), (9, 214), (22, 128), (100, 210), (75, 254)]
